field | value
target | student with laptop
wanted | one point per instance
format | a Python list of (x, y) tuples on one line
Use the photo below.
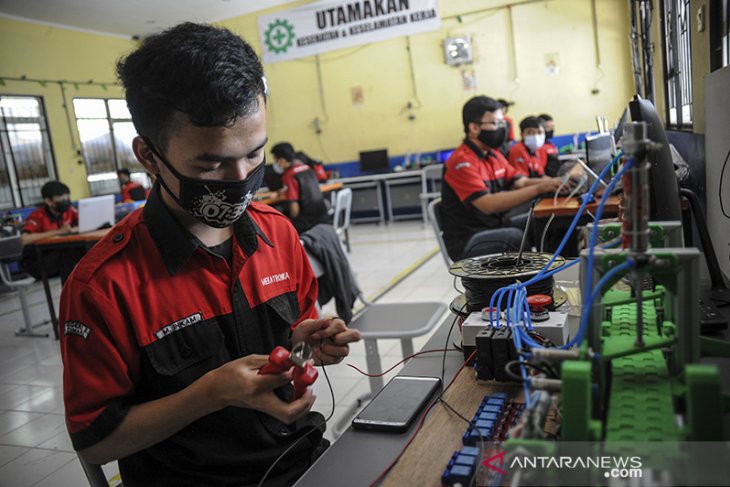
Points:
[(55, 217)]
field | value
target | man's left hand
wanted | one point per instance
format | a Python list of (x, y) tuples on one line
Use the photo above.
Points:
[(328, 337)]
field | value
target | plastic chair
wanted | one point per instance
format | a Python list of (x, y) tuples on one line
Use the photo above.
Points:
[(375, 321), (435, 219), (341, 216), (11, 249), (431, 177)]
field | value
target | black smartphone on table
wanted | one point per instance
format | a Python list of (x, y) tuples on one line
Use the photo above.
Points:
[(397, 404)]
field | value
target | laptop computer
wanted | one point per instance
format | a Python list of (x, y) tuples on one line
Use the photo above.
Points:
[(96, 213)]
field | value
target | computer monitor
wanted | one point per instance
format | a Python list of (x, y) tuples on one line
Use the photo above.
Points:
[(664, 188), (96, 213), (374, 161), (599, 152), (272, 180), (619, 131)]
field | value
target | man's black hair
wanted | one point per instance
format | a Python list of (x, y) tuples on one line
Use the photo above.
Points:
[(531, 123), (54, 188), (309, 161), (208, 73), (124, 171), (284, 150), (475, 108), (545, 117)]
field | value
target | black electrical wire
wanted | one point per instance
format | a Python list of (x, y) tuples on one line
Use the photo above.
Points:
[(314, 428), (479, 292), (518, 378)]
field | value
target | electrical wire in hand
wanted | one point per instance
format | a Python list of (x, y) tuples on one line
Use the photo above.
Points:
[(314, 428)]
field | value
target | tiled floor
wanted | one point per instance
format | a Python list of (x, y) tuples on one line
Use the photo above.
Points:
[(34, 446)]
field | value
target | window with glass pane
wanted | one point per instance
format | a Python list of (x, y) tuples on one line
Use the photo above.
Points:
[(676, 20), (27, 160), (106, 132)]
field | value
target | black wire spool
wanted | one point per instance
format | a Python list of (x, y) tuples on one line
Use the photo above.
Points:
[(483, 276)]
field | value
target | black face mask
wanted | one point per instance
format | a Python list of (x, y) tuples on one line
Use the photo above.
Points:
[(492, 138), (215, 203), (548, 134), (61, 206)]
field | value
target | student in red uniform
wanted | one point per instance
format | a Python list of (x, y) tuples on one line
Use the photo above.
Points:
[(131, 191), (504, 104), (166, 322), (526, 156), (55, 217), (481, 188), (549, 149), (306, 203), (316, 166)]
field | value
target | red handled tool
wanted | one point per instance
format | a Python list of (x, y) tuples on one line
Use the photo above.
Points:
[(281, 360)]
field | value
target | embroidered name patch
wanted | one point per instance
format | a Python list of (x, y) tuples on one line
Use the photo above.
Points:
[(462, 165), (76, 328), (178, 325), (275, 278)]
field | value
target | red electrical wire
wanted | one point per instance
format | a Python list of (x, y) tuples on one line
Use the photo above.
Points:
[(404, 360)]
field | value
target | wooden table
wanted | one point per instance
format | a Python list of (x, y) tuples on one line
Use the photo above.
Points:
[(83, 240), (274, 197), (565, 206)]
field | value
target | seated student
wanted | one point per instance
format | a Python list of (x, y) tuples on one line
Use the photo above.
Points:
[(525, 156), (131, 191), (480, 187), (316, 166), (550, 150), (306, 203), (55, 217), (167, 320), (504, 104)]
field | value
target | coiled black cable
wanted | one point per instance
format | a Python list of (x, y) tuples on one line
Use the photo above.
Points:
[(478, 292)]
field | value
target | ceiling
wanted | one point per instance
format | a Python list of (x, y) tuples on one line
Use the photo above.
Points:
[(129, 18)]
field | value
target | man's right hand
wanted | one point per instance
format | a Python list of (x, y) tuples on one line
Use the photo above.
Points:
[(239, 384), (549, 185)]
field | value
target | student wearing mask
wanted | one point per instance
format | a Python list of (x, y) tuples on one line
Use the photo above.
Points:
[(55, 217), (481, 188), (306, 202), (525, 156), (549, 149), (131, 191), (167, 321)]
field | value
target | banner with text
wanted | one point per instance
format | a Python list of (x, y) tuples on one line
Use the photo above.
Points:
[(328, 25)]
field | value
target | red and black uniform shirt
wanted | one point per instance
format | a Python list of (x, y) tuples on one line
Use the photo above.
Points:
[(42, 220), (510, 128), (150, 309), (320, 172), (303, 188), (526, 163), (132, 191), (468, 174), (552, 158)]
